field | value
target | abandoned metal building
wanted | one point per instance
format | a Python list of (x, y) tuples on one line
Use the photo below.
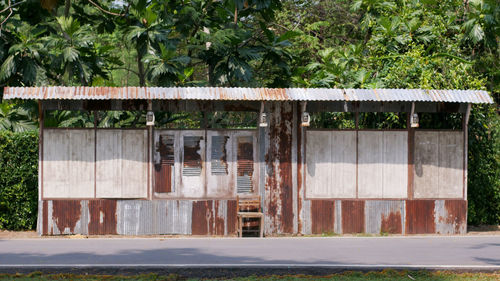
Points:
[(157, 180)]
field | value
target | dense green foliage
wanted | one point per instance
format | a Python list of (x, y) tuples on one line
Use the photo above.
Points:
[(451, 44), (18, 180)]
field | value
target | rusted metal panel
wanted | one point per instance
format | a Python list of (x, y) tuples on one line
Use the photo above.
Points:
[(213, 217), (231, 217), (102, 217), (353, 216), (192, 156), (66, 214), (259, 94), (245, 164), (68, 164), (384, 216), (164, 178), (420, 217), (451, 216), (45, 217), (201, 216), (322, 216), (279, 211)]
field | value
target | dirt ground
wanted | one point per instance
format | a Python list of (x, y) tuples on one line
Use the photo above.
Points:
[(5, 234)]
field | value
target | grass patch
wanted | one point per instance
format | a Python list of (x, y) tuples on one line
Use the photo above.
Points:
[(346, 276)]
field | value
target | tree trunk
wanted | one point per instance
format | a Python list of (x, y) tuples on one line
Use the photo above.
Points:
[(140, 66)]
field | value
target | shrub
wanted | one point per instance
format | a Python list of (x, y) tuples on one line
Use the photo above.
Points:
[(18, 180)]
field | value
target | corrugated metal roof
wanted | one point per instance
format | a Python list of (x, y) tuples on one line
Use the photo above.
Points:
[(250, 94)]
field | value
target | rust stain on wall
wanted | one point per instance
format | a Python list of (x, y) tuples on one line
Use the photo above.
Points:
[(420, 217), (219, 219), (457, 212), (353, 216), (279, 187), (231, 217), (66, 213), (102, 217), (300, 135), (45, 218), (192, 157), (322, 216), (245, 159), (164, 169), (391, 223), (199, 222)]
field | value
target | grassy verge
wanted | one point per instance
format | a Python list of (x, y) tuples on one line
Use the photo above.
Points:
[(347, 276)]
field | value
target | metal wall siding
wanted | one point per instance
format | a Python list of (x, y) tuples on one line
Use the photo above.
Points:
[(420, 217), (249, 94), (218, 155), (218, 217), (118, 153), (66, 214), (279, 184), (439, 164), (245, 164), (102, 217), (353, 216), (231, 217), (322, 216), (384, 216), (451, 216), (68, 164)]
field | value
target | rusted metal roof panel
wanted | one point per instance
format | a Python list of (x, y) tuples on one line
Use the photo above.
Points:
[(250, 94)]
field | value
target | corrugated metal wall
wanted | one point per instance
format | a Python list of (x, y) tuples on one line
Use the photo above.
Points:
[(218, 217), (137, 217), (300, 193)]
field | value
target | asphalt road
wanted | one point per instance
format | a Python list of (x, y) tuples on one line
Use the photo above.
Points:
[(473, 252)]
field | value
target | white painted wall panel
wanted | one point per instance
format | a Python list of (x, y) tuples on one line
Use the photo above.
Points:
[(121, 164), (426, 164), (343, 169), (134, 164), (331, 164), (395, 168), (451, 163), (439, 164), (68, 163), (370, 164), (221, 185), (318, 162), (192, 186)]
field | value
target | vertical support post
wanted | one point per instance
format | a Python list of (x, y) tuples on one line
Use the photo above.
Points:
[(149, 153), (356, 116), (300, 169), (465, 128), (411, 160), (95, 153), (40, 150)]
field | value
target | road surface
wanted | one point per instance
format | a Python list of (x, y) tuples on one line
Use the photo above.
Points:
[(426, 252)]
